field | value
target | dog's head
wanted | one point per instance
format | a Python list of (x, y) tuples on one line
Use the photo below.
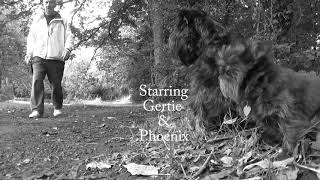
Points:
[(193, 32), (236, 60)]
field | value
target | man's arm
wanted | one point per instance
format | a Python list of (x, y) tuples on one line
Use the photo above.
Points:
[(68, 41), (30, 44)]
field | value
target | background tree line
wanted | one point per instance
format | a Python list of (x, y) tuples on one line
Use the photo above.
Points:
[(121, 44)]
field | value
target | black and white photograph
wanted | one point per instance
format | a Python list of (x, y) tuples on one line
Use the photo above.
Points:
[(160, 89)]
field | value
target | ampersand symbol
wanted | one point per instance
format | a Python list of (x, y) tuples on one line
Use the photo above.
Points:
[(162, 120)]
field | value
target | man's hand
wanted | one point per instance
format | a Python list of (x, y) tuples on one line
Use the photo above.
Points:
[(66, 54), (27, 59)]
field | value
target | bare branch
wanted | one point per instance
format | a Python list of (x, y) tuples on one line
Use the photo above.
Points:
[(95, 51), (95, 31), (77, 10)]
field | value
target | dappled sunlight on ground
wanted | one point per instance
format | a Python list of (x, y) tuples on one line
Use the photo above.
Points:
[(123, 101)]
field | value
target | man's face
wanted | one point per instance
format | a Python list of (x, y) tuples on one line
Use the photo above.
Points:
[(49, 6)]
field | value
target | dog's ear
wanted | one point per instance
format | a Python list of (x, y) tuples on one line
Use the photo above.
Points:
[(260, 49)]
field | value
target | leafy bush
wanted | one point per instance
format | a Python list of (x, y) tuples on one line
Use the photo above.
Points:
[(87, 80)]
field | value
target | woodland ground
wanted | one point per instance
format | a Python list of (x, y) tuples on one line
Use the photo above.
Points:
[(60, 148), (63, 147)]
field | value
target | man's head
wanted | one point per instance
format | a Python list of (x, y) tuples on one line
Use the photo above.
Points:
[(49, 6)]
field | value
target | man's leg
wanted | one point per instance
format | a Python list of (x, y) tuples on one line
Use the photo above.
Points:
[(55, 74), (37, 92)]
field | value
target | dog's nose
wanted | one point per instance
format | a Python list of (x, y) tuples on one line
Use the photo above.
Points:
[(221, 69)]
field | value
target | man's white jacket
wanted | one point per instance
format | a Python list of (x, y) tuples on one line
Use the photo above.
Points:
[(49, 41)]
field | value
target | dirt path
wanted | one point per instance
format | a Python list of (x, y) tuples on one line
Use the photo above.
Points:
[(59, 148), (62, 148)]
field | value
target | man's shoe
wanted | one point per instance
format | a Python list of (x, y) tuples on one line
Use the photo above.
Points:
[(57, 112), (35, 114)]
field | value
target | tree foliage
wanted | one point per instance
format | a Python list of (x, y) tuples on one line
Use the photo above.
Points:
[(129, 39)]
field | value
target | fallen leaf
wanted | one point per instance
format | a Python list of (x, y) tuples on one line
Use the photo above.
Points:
[(290, 174), (26, 161), (153, 149), (45, 175), (230, 121), (253, 178), (49, 158), (137, 169), (116, 156), (219, 175), (227, 161), (282, 164), (102, 125), (213, 161), (315, 145), (245, 158), (307, 175), (49, 133), (98, 165), (246, 110), (262, 164), (73, 172), (194, 168), (200, 153), (227, 152)]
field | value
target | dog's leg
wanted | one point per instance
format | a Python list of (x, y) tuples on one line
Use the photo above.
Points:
[(293, 130), (271, 133)]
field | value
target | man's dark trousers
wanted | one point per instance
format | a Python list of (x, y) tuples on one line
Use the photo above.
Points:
[(54, 70)]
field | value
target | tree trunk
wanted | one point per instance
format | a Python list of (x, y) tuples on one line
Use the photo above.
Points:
[(0, 78), (226, 18), (157, 28), (258, 16), (1, 67)]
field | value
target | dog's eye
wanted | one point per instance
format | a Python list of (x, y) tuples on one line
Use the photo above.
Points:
[(227, 69), (230, 71), (232, 58)]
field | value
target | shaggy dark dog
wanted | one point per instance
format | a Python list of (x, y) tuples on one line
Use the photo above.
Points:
[(195, 34), (277, 96)]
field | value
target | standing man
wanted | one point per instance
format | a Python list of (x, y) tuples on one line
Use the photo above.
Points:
[(48, 47)]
